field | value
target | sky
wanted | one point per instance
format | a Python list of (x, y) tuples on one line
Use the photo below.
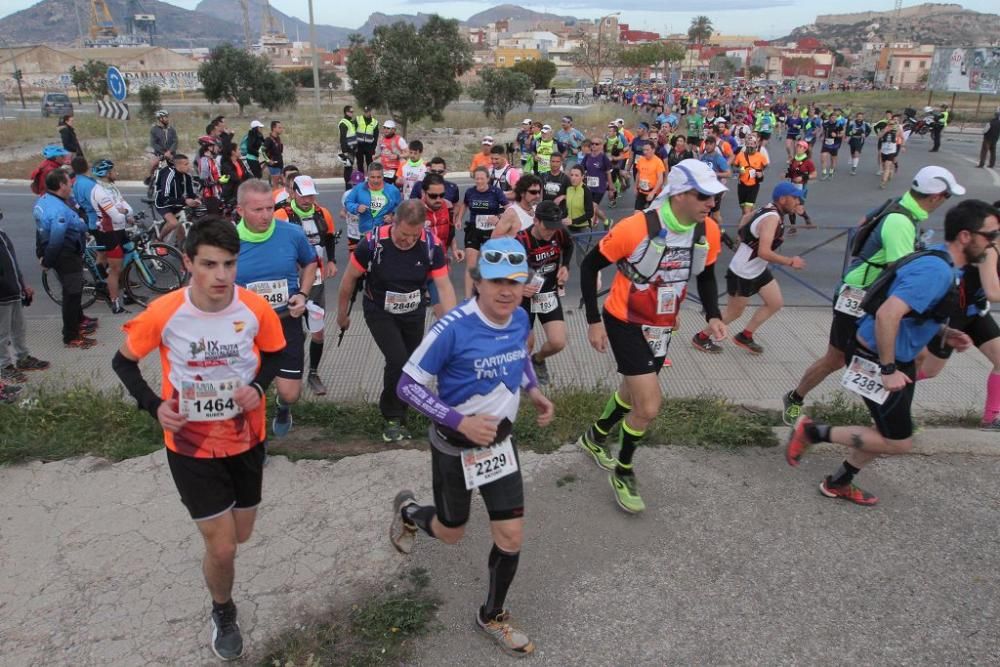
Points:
[(765, 18)]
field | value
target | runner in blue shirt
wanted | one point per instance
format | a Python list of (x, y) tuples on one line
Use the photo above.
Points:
[(571, 139), (478, 355), (597, 173)]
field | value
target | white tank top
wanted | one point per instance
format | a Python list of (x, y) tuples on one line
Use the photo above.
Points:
[(525, 217)]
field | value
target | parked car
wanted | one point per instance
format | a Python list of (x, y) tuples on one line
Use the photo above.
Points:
[(57, 104)]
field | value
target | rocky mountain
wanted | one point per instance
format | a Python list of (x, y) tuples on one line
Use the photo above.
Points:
[(513, 12), (941, 25), (327, 36)]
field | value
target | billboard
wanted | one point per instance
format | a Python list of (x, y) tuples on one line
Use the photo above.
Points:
[(974, 70)]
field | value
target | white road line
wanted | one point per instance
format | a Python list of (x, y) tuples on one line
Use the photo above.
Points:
[(992, 172)]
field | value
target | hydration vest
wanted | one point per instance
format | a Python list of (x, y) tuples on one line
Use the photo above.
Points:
[(745, 233)]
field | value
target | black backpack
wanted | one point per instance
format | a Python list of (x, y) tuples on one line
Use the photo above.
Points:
[(878, 291), (868, 226)]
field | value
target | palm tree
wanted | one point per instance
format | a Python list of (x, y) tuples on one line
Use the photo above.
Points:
[(700, 30)]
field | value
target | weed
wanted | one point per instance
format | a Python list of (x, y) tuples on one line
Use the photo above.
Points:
[(565, 479)]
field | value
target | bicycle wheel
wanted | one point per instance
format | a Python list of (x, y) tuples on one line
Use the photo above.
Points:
[(171, 254), (148, 277), (53, 287)]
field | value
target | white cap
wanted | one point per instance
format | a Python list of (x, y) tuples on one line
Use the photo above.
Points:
[(389, 123), (546, 128), (935, 180), (693, 175), (255, 124), (526, 121), (304, 185), (619, 122), (487, 140)]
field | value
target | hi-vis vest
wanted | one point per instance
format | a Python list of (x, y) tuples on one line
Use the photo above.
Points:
[(367, 130), (543, 153), (352, 138)]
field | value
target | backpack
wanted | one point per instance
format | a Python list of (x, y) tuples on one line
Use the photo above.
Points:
[(878, 291), (745, 233), (868, 225), (642, 271)]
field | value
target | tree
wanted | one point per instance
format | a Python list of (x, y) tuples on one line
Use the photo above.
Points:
[(701, 29), (541, 72), (724, 66), (593, 55), (501, 90), (92, 78), (799, 66), (755, 71), (149, 101), (234, 75), (410, 73), (302, 77)]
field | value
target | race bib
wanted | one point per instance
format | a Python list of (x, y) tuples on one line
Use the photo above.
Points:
[(544, 302), (889, 148), (666, 300), (483, 465), (209, 401), (864, 378), (752, 173), (537, 280), (399, 303), (389, 173), (353, 230), (593, 181), (543, 161), (551, 188), (484, 223), (658, 339), (644, 185), (275, 292), (849, 301), (829, 141)]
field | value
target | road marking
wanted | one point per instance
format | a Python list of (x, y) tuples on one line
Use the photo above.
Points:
[(992, 172)]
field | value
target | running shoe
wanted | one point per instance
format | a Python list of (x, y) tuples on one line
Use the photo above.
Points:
[(9, 392), (854, 170), (227, 641), (282, 422), (993, 426), (792, 409), (402, 533), (593, 444), (10, 373), (512, 641), (81, 343), (393, 431), (30, 363), (798, 441), (626, 492), (87, 329), (89, 321), (117, 308), (316, 385), (541, 371), (667, 363), (706, 344), (848, 492), (747, 343)]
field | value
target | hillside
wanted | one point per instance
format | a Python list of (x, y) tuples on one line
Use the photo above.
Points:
[(949, 25), (327, 36), (513, 12)]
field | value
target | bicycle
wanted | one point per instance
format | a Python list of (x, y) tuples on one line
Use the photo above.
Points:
[(145, 275)]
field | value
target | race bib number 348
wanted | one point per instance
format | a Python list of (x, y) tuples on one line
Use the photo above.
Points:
[(275, 292), (483, 465)]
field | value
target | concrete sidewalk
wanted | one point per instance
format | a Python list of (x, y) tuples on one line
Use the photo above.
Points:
[(792, 340)]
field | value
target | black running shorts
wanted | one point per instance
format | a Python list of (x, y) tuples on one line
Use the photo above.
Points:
[(293, 357), (981, 329), (629, 347), (843, 332), (737, 286), (504, 498), (212, 487), (893, 419)]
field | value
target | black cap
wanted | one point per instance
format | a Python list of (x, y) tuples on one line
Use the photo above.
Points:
[(549, 214)]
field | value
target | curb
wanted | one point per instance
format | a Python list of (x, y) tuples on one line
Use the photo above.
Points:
[(928, 442)]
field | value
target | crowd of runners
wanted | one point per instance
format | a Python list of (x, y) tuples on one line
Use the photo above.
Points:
[(259, 258)]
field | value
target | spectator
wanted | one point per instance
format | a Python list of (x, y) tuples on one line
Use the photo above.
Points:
[(990, 136), (274, 152), (68, 135), (15, 295)]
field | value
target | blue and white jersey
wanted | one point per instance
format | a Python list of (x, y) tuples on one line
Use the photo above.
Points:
[(479, 365)]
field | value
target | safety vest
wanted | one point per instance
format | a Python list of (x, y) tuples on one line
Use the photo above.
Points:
[(352, 138), (367, 130), (544, 152)]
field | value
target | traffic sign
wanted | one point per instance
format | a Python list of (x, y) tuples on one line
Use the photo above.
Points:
[(116, 84), (114, 110)]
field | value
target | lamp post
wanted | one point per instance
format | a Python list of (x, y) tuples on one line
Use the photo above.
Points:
[(600, 30), (315, 56)]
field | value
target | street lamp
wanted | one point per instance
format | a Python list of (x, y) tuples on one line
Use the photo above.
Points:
[(315, 55), (600, 29)]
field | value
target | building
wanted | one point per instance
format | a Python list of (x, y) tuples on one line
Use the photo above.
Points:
[(904, 67), (806, 61), (505, 56)]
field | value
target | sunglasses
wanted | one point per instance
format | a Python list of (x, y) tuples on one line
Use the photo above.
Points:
[(989, 236), (497, 256), (702, 196), (431, 195), (534, 191), (437, 171)]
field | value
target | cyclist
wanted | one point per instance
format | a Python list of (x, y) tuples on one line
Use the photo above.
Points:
[(374, 201), (174, 191), (894, 233), (477, 355), (391, 148), (60, 239), (83, 186), (549, 249), (912, 305), (396, 261), (273, 151), (277, 262), (233, 170), (208, 173), (210, 404), (162, 142), (317, 223), (656, 252), (857, 131), (114, 216), (54, 156), (485, 204)]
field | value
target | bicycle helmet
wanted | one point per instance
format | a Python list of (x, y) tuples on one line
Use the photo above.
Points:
[(208, 140), (162, 113), (52, 151), (102, 167)]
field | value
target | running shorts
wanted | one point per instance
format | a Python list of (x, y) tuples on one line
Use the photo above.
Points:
[(843, 332), (293, 357), (552, 316), (747, 193), (893, 419), (474, 238), (738, 286), (210, 487), (504, 498), (832, 150), (981, 329), (629, 347)]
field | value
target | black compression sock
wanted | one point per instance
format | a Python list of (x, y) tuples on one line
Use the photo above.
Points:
[(502, 567), (629, 440), (614, 411), (315, 354), (795, 398), (844, 475), (818, 432), (420, 516)]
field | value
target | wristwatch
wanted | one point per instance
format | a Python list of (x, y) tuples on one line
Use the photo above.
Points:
[(887, 369)]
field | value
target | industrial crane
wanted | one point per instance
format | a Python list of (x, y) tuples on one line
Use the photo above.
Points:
[(102, 26)]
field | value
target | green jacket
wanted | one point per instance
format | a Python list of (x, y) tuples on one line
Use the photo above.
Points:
[(899, 237)]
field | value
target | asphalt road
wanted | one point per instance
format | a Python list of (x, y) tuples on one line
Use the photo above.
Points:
[(832, 204)]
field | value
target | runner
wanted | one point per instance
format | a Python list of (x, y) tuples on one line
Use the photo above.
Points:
[(650, 176), (277, 262), (440, 220), (438, 166), (764, 123), (219, 350), (598, 175), (857, 131), (525, 141), (318, 225), (273, 152), (396, 261), (374, 201), (794, 127), (414, 169), (714, 158), (885, 236), (800, 171), (549, 250), (750, 165), (656, 252), (478, 357), (694, 123), (114, 216), (391, 149), (485, 205), (545, 148), (555, 181), (521, 214), (614, 146), (571, 139), (890, 145), (979, 285), (578, 207), (283, 192), (877, 130), (907, 306), (502, 174), (833, 136), (484, 157)]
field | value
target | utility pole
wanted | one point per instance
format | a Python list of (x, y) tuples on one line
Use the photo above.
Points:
[(315, 56)]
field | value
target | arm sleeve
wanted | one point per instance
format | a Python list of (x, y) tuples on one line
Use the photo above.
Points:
[(591, 266), (130, 375), (708, 292), (426, 402), (528, 379), (330, 239), (270, 364)]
